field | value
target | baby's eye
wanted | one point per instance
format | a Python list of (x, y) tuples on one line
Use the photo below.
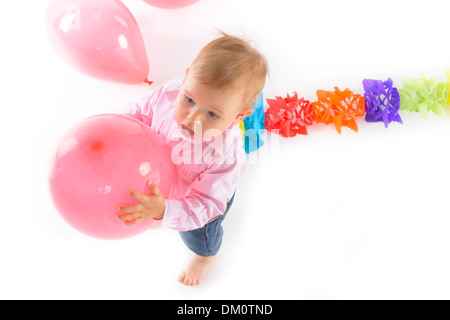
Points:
[(213, 115), (189, 100)]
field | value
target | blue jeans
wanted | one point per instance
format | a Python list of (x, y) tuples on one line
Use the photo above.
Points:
[(206, 241)]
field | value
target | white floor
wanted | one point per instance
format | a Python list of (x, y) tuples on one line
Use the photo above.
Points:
[(325, 216)]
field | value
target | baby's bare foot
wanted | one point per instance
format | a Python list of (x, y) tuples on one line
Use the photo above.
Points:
[(197, 270)]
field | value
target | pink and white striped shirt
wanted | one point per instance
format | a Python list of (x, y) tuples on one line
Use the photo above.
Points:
[(209, 170)]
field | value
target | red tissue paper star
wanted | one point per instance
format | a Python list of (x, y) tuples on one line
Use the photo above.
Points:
[(338, 107), (288, 116)]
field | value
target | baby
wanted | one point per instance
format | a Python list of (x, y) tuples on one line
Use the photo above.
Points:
[(199, 118)]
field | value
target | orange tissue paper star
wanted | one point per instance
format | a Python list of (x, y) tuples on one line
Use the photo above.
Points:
[(339, 107)]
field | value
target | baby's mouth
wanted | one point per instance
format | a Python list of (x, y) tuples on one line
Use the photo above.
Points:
[(183, 127)]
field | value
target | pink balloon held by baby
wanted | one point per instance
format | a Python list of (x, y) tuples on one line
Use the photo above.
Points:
[(96, 164)]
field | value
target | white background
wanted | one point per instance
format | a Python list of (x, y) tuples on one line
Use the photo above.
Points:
[(325, 216)]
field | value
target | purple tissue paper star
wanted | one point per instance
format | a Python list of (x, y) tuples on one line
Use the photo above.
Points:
[(382, 101)]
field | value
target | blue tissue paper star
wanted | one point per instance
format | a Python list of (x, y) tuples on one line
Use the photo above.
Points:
[(254, 126)]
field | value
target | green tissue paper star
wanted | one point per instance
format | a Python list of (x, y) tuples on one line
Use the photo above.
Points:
[(423, 95)]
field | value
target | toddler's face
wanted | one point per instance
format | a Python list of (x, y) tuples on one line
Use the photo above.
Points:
[(203, 113)]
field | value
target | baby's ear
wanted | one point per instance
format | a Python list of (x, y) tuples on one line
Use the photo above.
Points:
[(242, 115)]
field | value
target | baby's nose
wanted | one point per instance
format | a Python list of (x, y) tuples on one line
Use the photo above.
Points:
[(194, 115)]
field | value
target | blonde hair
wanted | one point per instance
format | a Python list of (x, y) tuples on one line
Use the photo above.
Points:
[(231, 63)]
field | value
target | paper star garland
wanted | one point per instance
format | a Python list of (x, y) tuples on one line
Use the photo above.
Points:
[(382, 101), (338, 107), (423, 95)]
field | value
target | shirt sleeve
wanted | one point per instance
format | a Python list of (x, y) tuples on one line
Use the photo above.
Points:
[(207, 198), (145, 109), (142, 110)]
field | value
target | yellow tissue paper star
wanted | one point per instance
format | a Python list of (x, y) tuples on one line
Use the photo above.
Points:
[(447, 73), (242, 127)]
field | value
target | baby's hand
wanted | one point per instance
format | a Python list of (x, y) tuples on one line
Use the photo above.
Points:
[(150, 206)]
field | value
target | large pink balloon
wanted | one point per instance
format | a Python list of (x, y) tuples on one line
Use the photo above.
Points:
[(95, 165), (170, 4), (99, 37)]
